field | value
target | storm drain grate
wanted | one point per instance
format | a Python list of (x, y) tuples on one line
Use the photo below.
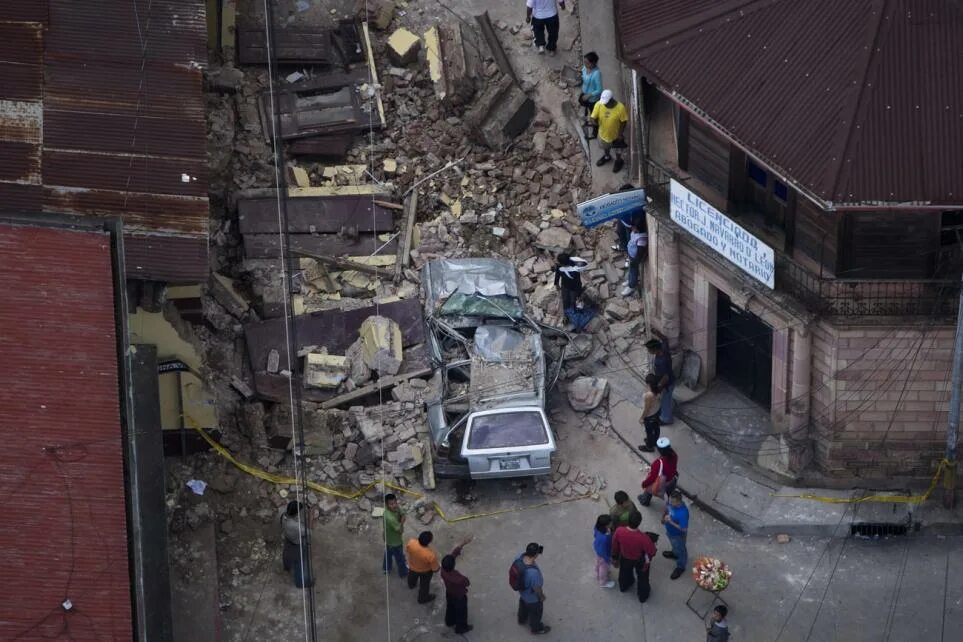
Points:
[(876, 530)]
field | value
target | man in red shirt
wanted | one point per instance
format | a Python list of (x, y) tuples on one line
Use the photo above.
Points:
[(456, 592), (634, 550)]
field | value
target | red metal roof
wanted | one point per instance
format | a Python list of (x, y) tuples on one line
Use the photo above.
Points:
[(103, 114), (63, 528), (859, 102)]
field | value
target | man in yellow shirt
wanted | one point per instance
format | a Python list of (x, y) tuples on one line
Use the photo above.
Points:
[(610, 117), (422, 564)]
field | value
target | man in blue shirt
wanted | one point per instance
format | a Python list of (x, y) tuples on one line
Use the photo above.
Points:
[(531, 597), (676, 520), (662, 368)]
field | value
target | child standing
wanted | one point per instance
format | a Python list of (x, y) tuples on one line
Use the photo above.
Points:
[(603, 550), (718, 629)]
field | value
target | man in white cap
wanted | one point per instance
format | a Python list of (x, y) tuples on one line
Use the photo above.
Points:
[(610, 117), (663, 475)]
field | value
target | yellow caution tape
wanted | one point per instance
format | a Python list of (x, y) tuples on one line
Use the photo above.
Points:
[(355, 494), (892, 499)]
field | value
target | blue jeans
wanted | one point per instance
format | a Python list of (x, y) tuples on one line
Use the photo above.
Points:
[(634, 272), (665, 409), (678, 547), (398, 554)]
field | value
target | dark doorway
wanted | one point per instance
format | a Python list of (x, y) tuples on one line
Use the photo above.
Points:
[(744, 351)]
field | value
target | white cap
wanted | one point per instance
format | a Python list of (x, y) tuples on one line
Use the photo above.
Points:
[(663, 442), (606, 96)]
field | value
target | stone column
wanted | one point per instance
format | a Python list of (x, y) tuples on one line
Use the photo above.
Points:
[(799, 436), (669, 285)]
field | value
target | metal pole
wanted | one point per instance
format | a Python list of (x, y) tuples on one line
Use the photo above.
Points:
[(953, 430)]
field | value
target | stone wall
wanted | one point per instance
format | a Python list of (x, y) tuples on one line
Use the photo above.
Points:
[(888, 399)]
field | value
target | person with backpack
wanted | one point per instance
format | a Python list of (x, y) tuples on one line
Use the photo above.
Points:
[(632, 552), (663, 475), (525, 577), (603, 550)]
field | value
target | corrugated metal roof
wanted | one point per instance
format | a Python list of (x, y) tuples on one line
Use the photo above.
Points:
[(64, 532), (859, 102), (102, 104)]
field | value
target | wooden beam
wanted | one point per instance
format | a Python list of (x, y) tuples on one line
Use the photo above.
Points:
[(371, 388), (341, 264), (389, 206), (404, 247)]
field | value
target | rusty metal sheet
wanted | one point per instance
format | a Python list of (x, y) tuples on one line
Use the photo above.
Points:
[(265, 246), (172, 259), (110, 130), (292, 45), (318, 214), (334, 329), (307, 112), (332, 147)]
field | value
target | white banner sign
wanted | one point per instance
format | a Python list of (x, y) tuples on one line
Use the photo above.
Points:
[(719, 232)]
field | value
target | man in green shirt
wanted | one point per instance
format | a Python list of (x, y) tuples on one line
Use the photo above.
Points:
[(622, 510), (394, 525)]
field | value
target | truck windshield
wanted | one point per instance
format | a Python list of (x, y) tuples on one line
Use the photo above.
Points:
[(507, 430)]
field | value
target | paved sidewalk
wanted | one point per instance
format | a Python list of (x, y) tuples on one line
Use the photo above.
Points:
[(597, 22), (753, 502)]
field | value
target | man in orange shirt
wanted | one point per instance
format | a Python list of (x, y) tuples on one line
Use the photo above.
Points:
[(422, 564)]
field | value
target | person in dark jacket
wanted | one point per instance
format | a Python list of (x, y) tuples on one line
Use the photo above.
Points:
[(718, 629), (456, 591), (568, 278), (662, 368)]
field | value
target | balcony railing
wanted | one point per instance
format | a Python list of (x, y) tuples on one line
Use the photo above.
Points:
[(836, 297)]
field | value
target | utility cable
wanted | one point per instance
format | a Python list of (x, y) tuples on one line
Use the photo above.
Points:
[(297, 427)]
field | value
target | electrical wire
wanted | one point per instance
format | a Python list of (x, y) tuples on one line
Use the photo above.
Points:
[(297, 428)]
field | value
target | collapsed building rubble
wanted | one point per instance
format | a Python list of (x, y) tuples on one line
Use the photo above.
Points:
[(366, 208)]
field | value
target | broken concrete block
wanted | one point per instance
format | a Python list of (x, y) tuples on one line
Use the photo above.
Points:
[(242, 387), (273, 361), (539, 139), (389, 165), (326, 371), (300, 176), (403, 47), (585, 394), (500, 113), (381, 345), (381, 14), (783, 538), (223, 291), (615, 310), (554, 239)]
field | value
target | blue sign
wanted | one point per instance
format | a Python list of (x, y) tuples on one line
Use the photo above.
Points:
[(610, 206)]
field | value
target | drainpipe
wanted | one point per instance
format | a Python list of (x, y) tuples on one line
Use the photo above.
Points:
[(800, 441)]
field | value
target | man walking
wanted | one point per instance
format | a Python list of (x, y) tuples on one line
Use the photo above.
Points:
[(422, 564), (662, 368), (676, 520), (633, 550), (610, 117), (294, 533), (531, 597), (456, 591), (394, 524), (543, 15)]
